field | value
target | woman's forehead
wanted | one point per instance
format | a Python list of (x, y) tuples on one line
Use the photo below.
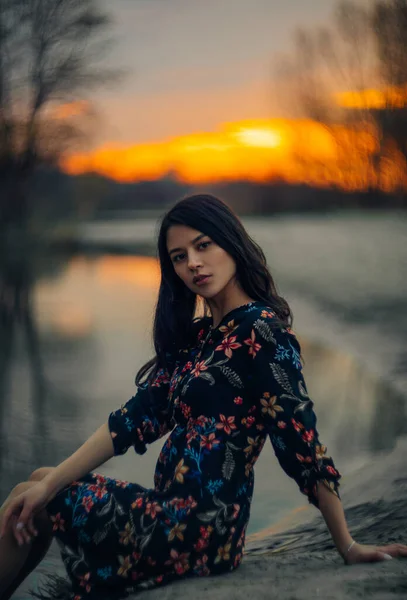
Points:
[(181, 234)]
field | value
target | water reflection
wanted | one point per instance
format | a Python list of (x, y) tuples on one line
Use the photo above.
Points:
[(77, 361)]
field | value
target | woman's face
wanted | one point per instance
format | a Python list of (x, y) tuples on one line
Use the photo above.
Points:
[(194, 255)]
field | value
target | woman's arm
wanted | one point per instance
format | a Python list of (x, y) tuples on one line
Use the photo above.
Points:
[(351, 552), (95, 451), (332, 511)]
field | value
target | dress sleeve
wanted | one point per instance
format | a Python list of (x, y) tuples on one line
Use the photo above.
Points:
[(283, 406), (145, 418)]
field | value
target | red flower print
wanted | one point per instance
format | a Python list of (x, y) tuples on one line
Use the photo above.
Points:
[(159, 578), (254, 346), (200, 566), (250, 421), (308, 436), (100, 493), (137, 503), (302, 459), (205, 531), (267, 313), (201, 544), (185, 409), (331, 470), (190, 502), (187, 367), (252, 409), (58, 523), (281, 424), (83, 582), (209, 441), (87, 502), (199, 367), (228, 344), (180, 561), (297, 426), (238, 400), (152, 508), (100, 479), (227, 424)]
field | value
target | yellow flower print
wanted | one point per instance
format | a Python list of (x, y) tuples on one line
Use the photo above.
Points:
[(126, 536), (125, 566), (270, 407), (253, 443), (228, 329), (223, 553), (180, 470), (176, 531), (320, 451)]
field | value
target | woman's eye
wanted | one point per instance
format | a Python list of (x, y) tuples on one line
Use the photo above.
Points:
[(177, 258), (204, 245)]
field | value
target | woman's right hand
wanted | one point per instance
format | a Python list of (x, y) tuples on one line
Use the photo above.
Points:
[(21, 511)]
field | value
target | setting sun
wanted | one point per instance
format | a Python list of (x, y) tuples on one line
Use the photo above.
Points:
[(262, 138)]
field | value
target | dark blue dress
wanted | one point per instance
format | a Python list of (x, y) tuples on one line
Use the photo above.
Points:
[(241, 383)]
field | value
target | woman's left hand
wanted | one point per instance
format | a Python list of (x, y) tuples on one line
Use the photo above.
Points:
[(360, 553)]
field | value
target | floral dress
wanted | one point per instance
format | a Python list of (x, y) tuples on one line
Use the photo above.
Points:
[(240, 384)]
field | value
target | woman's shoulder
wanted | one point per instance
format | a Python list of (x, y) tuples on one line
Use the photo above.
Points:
[(260, 321), (255, 313)]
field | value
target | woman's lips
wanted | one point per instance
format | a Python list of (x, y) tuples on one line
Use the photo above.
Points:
[(202, 280)]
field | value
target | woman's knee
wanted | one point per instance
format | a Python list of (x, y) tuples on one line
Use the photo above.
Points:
[(40, 473)]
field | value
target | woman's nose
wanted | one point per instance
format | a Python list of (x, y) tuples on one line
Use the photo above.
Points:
[(194, 261)]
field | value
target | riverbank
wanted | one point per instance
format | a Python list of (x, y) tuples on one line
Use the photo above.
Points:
[(349, 295), (301, 563)]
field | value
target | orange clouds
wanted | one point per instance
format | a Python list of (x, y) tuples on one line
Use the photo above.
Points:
[(375, 99), (252, 149), (297, 151)]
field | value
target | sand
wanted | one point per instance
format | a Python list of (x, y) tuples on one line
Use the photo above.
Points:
[(300, 563)]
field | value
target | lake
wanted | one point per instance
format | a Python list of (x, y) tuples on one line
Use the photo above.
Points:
[(345, 277)]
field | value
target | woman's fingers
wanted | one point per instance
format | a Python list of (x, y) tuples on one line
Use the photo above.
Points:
[(31, 527), (17, 530), (395, 550), (10, 511)]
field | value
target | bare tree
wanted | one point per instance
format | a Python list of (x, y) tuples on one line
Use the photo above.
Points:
[(332, 69), (389, 20), (49, 52)]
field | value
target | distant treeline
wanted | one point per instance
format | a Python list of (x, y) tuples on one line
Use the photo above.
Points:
[(56, 195)]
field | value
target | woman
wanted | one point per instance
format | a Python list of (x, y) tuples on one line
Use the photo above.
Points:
[(221, 383)]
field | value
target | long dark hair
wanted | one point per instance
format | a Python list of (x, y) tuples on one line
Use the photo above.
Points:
[(176, 306)]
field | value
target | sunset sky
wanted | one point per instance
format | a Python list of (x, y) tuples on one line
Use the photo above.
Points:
[(201, 99), (194, 64)]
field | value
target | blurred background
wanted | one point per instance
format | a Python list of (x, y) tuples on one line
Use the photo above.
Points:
[(295, 113)]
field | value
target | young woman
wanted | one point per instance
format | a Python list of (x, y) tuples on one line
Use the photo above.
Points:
[(221, 384)]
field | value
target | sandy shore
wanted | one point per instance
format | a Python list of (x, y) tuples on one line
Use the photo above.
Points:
[(300, 562)]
